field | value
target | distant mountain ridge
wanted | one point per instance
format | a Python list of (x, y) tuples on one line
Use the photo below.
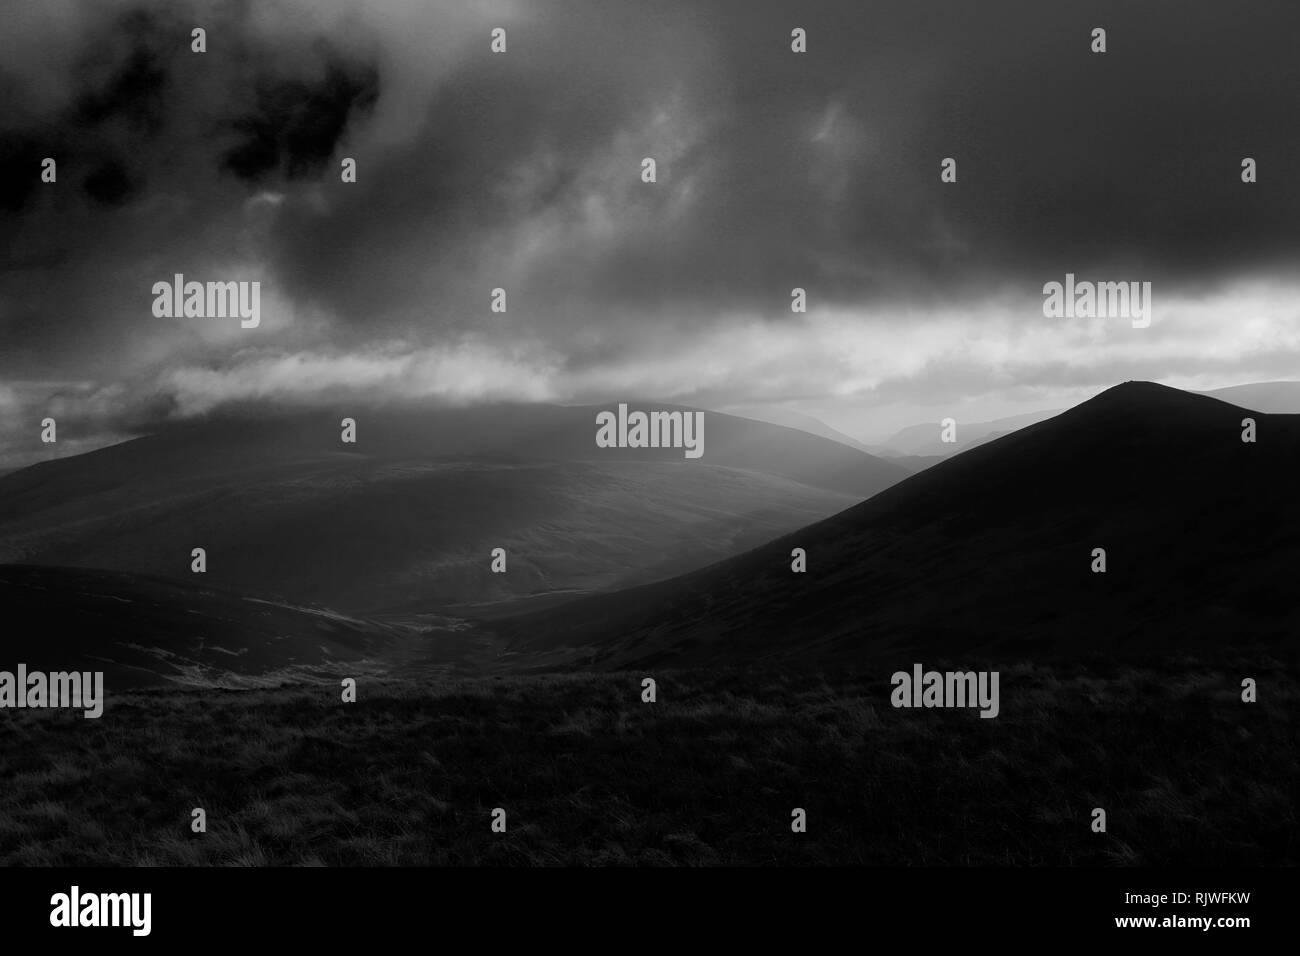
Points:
[(407, 517), (985, 556), (1275, 398), (925, 440), (797, 420)]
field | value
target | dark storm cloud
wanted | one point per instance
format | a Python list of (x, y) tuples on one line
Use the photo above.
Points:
[(103, 133), (19, 155), (775, 170), (139, 91), (134, 87), (1129, 160), (159, 149), (822, 170), (296, 124), (110, 183)]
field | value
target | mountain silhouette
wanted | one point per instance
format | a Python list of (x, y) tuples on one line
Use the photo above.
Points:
[(990, 553)]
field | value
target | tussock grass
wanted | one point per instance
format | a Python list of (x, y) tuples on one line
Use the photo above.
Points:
[(708, 775)]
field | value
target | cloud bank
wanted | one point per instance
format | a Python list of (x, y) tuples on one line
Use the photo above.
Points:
[(521, 171)]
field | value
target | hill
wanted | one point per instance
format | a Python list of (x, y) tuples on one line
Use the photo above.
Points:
[(407, 517), (989, 553), (922, 443), (1270, 397), (143, 631)]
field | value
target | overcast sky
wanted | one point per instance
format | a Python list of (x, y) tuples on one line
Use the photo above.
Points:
[(522, 170)]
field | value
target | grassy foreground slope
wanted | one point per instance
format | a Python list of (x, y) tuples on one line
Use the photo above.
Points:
[(588, 774)]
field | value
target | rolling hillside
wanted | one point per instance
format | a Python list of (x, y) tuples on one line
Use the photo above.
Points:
[(143, 631), (989, 553), (407, 517)]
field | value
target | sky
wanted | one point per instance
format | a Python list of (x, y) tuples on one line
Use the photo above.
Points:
[(522, 170)]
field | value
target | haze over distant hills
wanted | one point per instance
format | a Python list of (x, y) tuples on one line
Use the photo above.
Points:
[(406, 518), (1270, 397), (791, 419), (924, 439), (990, 552)]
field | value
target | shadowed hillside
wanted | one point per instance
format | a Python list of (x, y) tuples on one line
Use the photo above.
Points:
[(407, 517), (145, 631), (990, 552)]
